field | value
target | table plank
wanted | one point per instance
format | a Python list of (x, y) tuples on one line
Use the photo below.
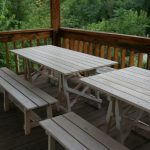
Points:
[(120, 87), (63, 60), (132, 78), (119, 91), (82, 55), (139, 71), (129, 85), (42, 62), (57, 60), (77, 56)]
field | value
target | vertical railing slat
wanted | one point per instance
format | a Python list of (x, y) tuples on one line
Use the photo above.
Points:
[(71, 44), (66, 43), (16, 58), (148, 61), (109, 53), (140, 59), (123, 58), (76, 45), (85, 47), (96, 49), (80, 46), (116, 56), (102, 51), (131, 57), (90, 48)]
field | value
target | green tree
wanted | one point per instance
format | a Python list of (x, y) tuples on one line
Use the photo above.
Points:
[(37, 14), (124, 21)]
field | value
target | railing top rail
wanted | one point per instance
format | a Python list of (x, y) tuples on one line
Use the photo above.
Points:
[(126, 41), (88, 32), (24, 31)]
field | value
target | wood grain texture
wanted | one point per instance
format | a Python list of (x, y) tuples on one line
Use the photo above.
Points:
[(77, 130), (128, 88)]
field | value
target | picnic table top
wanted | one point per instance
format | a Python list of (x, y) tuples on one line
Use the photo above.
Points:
[(131, 85), (63, 60)]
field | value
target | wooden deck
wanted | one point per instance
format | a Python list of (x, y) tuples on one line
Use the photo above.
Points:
[(12, 134)]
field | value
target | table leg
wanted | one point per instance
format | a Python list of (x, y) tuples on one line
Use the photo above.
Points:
[(49, 111), (25, 67), (51, 143), (6, 101), (113, 113), (110, 113), (65, 87)]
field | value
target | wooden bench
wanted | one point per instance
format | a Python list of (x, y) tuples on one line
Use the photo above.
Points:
[(25, 96), (74, 133)]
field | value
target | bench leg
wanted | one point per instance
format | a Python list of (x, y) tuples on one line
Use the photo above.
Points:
[(6, 102), (51, 143), (49, 111), (27, 121)]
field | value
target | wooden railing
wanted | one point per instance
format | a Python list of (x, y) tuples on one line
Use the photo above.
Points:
[(21, 39), (127, 50)]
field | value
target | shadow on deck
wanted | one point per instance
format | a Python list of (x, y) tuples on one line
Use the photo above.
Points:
[(12, 134)]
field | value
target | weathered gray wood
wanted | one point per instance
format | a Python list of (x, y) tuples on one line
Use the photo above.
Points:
[(61, 135), (121, 87), (6, 101), (139, 71), (48, 98), (42, 62), (26, 97), (94, 132), (17, 95), (79, 134), (63, 60), (104, 69), (114, 84), (79, 130), (26, 92), (27, 121)]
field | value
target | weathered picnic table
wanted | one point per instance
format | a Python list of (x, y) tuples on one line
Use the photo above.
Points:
[(66, 63), (130, 85)]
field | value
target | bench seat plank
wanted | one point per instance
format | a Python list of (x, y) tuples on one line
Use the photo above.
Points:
[(61, 135), (94, 132), (27, 93), (17, 95), (79, 134), (81, 131), (46, 97)]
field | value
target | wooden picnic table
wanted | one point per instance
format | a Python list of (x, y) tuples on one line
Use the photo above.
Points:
[(130, 85), (64, 61)]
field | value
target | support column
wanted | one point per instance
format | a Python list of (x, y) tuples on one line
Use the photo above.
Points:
[(55, 21)]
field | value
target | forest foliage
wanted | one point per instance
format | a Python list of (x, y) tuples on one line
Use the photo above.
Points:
[(121, 16)]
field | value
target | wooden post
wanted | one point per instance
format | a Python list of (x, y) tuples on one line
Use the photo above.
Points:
[(148, 61), (55, 21)]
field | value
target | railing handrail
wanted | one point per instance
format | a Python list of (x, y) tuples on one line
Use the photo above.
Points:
[(24, 31), (122, 40)]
